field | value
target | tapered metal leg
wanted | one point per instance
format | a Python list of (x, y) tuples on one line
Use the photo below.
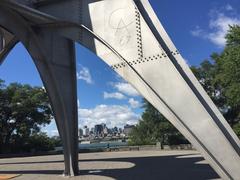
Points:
[(60, 83), (54, 57), (1, 41)]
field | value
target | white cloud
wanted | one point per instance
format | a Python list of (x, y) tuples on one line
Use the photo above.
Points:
[(54, 132), (84, 74), (50, 129), (134, 103), (228, 7), (115, 95), (218, 27), (111, 115), (51, 132), (126, 88), (197, 31)]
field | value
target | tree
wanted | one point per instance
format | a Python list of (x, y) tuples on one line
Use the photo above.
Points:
[(228, 74), (206, 73), (220, 77), (23, 110), (236, 128), (41, 142), (153, 128)]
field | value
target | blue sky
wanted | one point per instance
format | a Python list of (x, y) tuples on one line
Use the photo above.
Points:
[(196, 27)]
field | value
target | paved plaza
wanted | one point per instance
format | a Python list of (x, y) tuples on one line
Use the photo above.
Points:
[(126, 165)]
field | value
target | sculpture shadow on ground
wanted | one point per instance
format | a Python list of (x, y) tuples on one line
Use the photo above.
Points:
[(154, 168), (165, 167)]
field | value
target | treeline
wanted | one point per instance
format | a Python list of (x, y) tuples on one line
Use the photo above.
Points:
[(23, 110), (153, 128), (220, 77)]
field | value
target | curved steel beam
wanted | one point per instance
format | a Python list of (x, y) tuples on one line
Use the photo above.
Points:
[(28, 12), (55, 66)]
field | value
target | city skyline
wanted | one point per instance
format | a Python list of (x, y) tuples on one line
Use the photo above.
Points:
[(101, 131)]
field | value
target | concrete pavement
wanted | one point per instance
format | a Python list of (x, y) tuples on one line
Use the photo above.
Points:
[(127, 165)]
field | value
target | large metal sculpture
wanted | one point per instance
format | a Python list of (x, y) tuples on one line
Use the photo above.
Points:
[(128, 36)]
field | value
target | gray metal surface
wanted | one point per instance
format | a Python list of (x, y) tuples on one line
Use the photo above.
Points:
[(7, 42), (2, 41), (128, 36)]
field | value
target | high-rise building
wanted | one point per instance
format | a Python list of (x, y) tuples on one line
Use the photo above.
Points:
[(98, 130), (85, 131), (128, 129), (80, 132)]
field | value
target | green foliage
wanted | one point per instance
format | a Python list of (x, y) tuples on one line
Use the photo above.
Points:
[(228, 73), (41, 142), (221, 77), (23, 110), (205, 74), (153, 128), (236, 129), (233, 36)]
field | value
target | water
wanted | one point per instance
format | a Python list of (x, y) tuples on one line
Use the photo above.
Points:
[(102, 145)]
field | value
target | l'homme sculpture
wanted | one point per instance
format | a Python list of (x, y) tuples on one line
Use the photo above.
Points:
[(128, 36)]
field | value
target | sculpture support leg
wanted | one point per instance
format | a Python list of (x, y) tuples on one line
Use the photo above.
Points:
[(59, 76), (1, 42), (54, 57)]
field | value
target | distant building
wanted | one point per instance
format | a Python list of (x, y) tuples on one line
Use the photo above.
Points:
[(128, 129), (105, 131), (110, 131), (120, 130), (80, 132), (91, 133), (86, 131), (115, 131), (98, 130)]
